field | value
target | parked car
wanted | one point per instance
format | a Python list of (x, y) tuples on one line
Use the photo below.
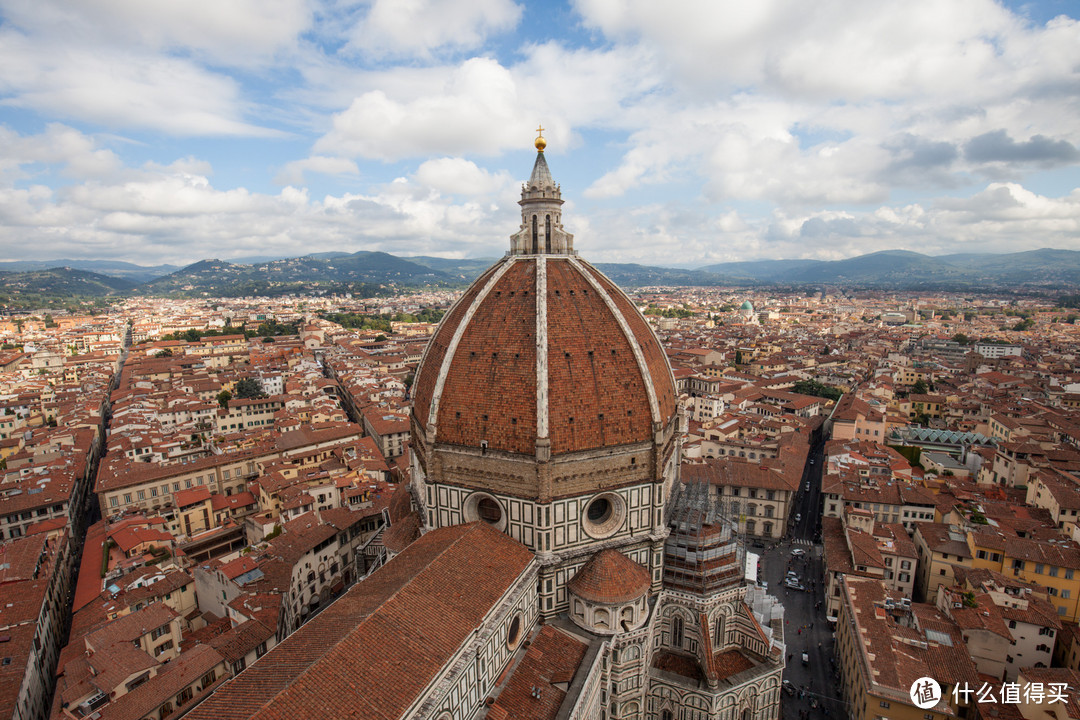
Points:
[(807, 487), (806, 658), (798, 551), (789, 688), (798, 517)]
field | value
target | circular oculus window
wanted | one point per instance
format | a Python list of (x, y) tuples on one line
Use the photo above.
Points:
[(604, 515), (481, 506), (513, 635)]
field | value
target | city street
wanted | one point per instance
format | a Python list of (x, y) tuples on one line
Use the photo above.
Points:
[(806, 629)]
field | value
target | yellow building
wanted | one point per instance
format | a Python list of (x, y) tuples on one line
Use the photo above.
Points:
[(1051, 565), (884, 644), (940, 548)]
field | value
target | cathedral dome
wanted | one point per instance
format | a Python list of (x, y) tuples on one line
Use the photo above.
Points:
[(543, 349), (610, 577), (543, 355)]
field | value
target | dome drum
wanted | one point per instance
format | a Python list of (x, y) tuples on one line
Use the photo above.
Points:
[(566, 475)]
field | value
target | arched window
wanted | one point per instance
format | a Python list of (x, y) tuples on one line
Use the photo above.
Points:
[(666, 715), (547, 234), (750, 527), (535, 238), (719, 642), (676, 631)]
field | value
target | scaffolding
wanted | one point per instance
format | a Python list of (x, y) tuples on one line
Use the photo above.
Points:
[(704, 553)]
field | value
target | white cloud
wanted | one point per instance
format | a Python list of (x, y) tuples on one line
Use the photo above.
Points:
[(119, 88), (76, 154), (829, 49), (238, 32), (478, 111), (423, 27), (173, 213), (481, 107), (456, 176), (835, 102), (293, 172)]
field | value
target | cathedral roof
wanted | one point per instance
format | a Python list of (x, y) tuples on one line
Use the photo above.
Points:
[(610, 577), (543, 347), (380, 645)]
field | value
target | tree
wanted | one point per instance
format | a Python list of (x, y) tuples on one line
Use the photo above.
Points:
[(248, 388), (163, 353), (961, 338), (817, 389), (223, 398), (738, 357), (1023, 325), (49, 322), (920, 387)]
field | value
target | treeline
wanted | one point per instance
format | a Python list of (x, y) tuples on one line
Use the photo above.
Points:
[(364, 321), (668, 312), (271, 328), (817, 389)]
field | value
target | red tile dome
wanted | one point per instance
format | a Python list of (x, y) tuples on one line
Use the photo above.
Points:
[(543, 347), (610, 578)]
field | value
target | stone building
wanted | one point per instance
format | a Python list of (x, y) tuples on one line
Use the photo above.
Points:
[(563, 569)]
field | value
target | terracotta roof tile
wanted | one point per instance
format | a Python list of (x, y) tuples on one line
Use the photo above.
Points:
[(610, 577), (554, 657), (370, 653)]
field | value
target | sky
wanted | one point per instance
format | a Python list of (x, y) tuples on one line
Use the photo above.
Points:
[(683, 133)]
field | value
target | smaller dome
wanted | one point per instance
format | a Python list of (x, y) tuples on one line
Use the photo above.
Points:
[(610, 578), (747, 305)]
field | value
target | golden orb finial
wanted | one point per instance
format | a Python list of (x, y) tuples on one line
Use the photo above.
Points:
[(540, 143)]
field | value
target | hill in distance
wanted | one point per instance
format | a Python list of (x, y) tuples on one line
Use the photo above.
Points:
[(361, 272), (373, 273), (111, 268), (61, 282), (903, 268)]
